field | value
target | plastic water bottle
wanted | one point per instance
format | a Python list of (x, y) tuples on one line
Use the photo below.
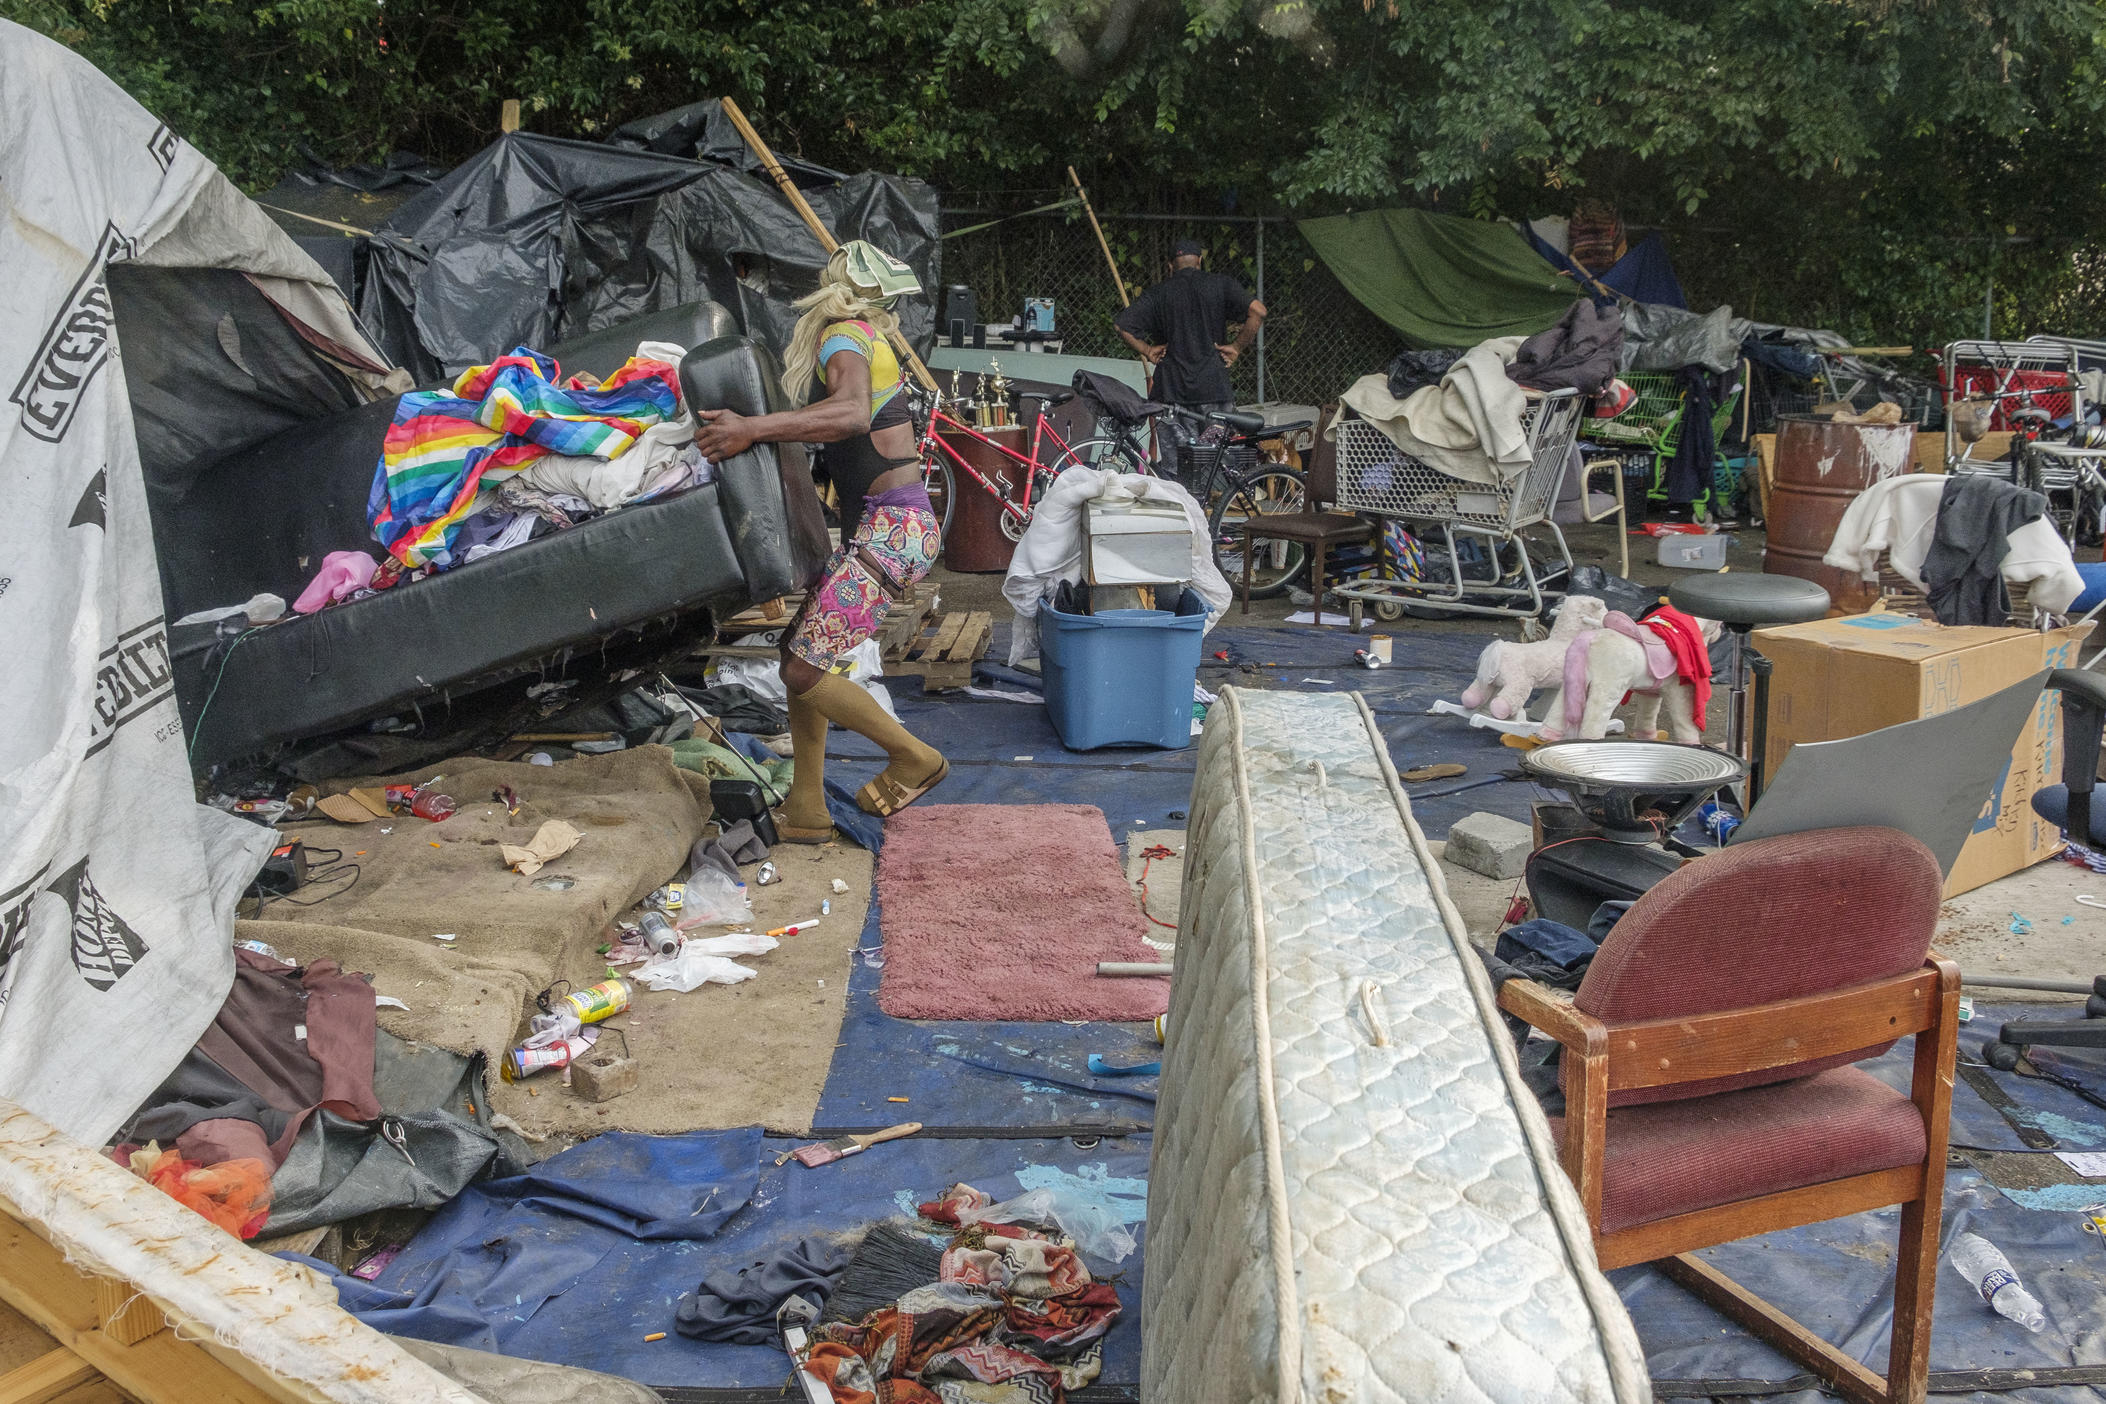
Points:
[(1983, 1264)]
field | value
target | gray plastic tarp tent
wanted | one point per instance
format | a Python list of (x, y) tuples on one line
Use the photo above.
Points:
[(151, 315)]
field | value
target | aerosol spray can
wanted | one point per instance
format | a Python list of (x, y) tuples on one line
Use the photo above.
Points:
[(658, 934), (525, 1062)]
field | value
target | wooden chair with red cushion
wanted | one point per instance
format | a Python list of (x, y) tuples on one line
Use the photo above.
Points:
[(1709, 1087)]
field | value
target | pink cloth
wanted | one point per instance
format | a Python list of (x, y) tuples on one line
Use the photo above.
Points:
[(342, 572), (1659, 658)]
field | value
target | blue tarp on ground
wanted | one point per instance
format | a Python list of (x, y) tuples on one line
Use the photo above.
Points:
[(537, 1272), (1836, 1278)]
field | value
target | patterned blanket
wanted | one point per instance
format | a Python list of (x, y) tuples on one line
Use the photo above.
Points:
[(445, 446), (1014, 1318)]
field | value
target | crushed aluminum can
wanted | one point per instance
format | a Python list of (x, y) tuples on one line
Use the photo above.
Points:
[(767, 874)]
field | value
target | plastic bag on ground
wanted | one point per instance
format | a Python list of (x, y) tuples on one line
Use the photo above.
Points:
[(235, 1194), (691, 969), (713, 899), (1096, 1230)]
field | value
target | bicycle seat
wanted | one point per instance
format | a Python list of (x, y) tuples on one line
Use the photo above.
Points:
[(1052, 400), (1241, 423), (1281, 431)]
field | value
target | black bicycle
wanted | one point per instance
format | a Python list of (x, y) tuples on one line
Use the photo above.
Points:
[(1231, 463)]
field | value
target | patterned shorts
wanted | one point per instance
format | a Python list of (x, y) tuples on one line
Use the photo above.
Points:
[(894, 547)]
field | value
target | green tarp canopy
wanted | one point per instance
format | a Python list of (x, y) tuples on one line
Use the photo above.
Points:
[(1441, 280)]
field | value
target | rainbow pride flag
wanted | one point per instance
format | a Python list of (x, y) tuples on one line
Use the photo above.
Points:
[(446, 446)]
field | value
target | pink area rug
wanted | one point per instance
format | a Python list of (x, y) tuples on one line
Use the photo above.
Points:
[(1002, 911)]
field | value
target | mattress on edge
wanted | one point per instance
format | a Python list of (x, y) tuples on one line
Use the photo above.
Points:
[(1351, 1195)]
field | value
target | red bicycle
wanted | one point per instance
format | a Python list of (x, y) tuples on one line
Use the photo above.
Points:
[(941, 462)]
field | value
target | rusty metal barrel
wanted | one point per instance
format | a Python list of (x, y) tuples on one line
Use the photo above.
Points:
[(1821, 468)]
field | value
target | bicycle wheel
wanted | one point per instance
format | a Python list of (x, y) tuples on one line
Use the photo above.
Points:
[(1268, 492), (936, 477)]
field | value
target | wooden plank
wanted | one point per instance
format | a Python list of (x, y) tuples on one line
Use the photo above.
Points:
[(128, 1317), (972, 639), (45, 1378), (1661, 1052), (932, 649), (1746, 1218), (162, 1369), (903, 624), (1850, 1379)]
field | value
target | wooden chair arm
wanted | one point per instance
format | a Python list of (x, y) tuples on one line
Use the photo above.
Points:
[(1545, 1009)]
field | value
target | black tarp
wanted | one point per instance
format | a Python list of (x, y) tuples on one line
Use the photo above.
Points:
[(536, 239)]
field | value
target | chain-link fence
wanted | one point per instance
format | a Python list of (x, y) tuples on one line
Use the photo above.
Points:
[(1316, 341)]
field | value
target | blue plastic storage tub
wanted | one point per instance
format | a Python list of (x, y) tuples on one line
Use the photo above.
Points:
[(1122, 677)]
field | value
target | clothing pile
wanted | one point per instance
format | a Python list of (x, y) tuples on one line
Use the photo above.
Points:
[(1014, 1317), (510, 452), (1959, 539), (1464, 414), (288, 1042)]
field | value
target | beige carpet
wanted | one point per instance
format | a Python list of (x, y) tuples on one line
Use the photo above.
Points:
[(716, 1057)]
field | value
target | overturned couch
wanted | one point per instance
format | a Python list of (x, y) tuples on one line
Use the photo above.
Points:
[(1352, 1195), (622, 589)]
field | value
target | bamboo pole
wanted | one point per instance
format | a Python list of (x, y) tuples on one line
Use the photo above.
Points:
[(797, 202), (1083, 195)]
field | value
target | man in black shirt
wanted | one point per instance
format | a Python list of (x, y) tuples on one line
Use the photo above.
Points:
[(1176, 327)]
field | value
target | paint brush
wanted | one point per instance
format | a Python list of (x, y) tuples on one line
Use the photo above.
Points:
[(827, 1152)]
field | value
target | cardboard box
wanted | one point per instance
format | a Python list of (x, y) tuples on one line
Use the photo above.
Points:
[(1844, 677)]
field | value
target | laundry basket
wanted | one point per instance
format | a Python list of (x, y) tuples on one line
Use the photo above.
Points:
[(1122, 677)]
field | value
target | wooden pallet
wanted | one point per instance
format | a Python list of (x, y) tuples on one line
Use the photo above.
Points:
[(944, 650), (905, 621)]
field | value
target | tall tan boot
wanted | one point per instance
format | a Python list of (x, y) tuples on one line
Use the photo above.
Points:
[(803, 817), (916, 767)]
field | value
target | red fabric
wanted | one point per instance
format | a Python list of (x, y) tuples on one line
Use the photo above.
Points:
[(1675, 1157), (1685, 639), (1765, 921)]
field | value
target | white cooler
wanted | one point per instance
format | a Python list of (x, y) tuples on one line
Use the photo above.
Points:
[(1136, 543)]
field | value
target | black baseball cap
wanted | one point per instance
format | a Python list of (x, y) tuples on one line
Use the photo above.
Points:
[(1188, 248)]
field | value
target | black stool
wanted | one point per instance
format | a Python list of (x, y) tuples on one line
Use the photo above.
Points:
[(1744, 603)]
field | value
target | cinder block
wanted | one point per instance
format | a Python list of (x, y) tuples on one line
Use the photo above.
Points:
[(1490, 844)]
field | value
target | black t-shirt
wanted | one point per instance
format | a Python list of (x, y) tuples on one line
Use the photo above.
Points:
[(1189, 313)]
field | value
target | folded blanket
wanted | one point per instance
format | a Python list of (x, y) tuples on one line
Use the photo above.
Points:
[(1468, 426), (445, 446)]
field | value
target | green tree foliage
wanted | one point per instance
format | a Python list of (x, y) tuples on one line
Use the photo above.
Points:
[(1868, 164)]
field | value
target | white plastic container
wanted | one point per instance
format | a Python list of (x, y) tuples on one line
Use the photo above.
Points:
[(1683, 551), (1136, 543)]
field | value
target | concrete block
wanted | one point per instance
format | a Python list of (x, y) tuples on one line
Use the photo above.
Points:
[(601, 1075), (1491, 844)]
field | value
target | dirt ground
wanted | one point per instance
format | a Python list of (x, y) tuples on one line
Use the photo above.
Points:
[(732, 1055)]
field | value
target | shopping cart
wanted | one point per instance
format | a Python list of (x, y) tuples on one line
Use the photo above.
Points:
[(1377, 477), (2028, 387)]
